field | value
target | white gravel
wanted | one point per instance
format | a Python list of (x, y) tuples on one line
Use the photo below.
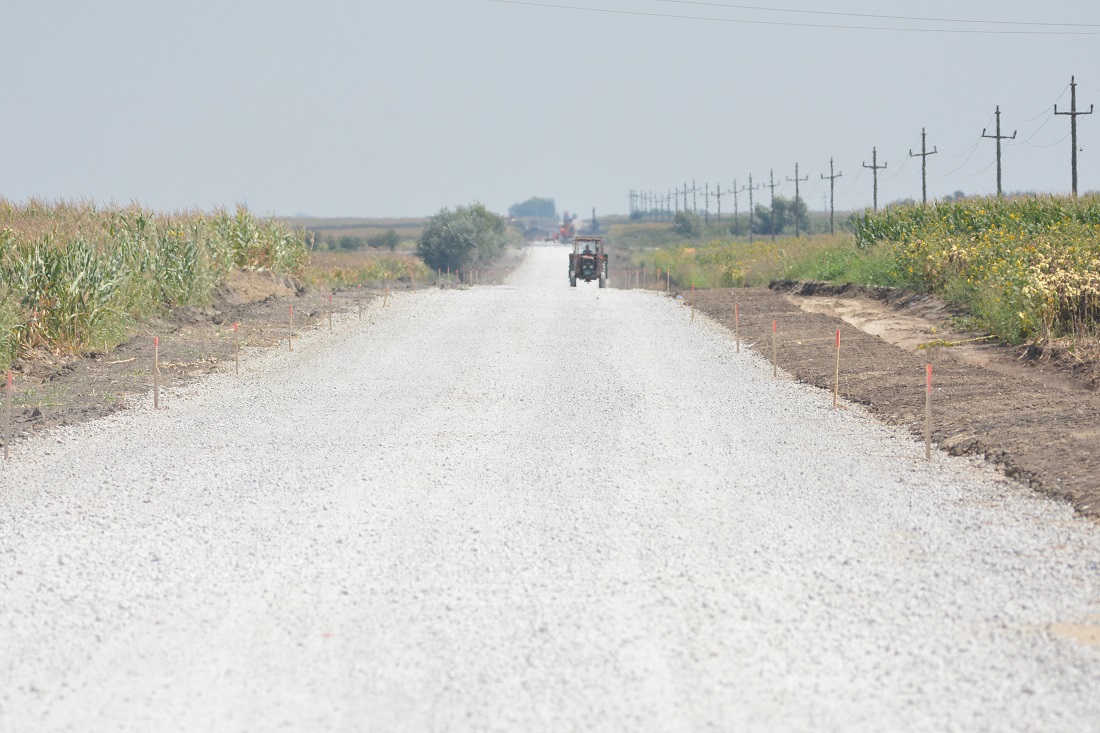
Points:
[(529, 507)]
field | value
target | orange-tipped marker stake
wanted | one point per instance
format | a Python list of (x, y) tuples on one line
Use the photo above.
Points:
[(928, 414), (156, 372), (836, 383), (775, 359), (7, 419), (236, 349), (386, 296)]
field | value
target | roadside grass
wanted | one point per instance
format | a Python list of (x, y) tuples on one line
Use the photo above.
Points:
[(336, 269), (732, 262)]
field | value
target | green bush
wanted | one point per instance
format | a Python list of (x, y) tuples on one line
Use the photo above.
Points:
[(687, 224), (459, 239)]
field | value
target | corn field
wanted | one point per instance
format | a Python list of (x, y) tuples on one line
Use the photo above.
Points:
[(75, 277), (1028, 268)]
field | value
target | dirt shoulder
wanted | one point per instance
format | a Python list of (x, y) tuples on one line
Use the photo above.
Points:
[(1041, 431), (51, 391)]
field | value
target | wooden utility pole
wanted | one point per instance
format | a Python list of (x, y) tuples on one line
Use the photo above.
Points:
[(1073, 114), (772, 185), (875, 168), (832, 186), (706, 203), (735, 212), (718, 195), (750, 188), (797, 180), (694, 200), (999, 137), (923, 155)]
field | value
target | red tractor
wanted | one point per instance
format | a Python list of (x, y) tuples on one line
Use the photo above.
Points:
[(588, 261)]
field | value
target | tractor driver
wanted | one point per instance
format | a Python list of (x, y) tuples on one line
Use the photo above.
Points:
[(587, 250)]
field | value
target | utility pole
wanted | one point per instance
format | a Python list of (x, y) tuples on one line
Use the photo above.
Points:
[(832, 186), (772, 185), (735, 212), (718, 193), (694, 201), (875, 168), (1073, 114), (750, 188), (668, 205), (923, 155), (999, 137), (631, 202), (797, 180), (706, 203)]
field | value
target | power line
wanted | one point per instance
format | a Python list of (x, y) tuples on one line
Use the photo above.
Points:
[(745, 21), (1045, 109), (883, 17), (1027, 141), (1056, 142)]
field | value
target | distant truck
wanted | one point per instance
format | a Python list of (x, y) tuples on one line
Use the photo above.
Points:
[(588, 261)]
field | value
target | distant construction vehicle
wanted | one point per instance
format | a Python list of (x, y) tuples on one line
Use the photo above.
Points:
[(567, 230)]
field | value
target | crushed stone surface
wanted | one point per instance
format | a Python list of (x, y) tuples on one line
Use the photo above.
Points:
[(530, 507)]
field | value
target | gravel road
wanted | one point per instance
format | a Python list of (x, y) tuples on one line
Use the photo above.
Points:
[(530, 507)]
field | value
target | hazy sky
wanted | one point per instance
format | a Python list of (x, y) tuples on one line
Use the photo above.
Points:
[(400, 107)]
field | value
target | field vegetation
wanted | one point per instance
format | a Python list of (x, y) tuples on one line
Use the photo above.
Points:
[(1027, 268), (75, 276)]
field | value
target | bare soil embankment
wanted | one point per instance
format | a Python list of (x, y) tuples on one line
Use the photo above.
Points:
[(1044, 434)]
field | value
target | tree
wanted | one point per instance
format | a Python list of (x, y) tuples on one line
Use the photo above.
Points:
[(687, 224), (384, 240), (785, 212), (534, 206), (461, 238)]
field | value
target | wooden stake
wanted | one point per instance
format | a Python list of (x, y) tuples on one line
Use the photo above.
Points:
[(836, 383), (7, 419), (386, 296), (928, 414), (156, 372), (330, 312), (775, 358), (360, 300), (737, 326), (236, 349), (668, 280), (643, 275), (693, 302), (291, 339)]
